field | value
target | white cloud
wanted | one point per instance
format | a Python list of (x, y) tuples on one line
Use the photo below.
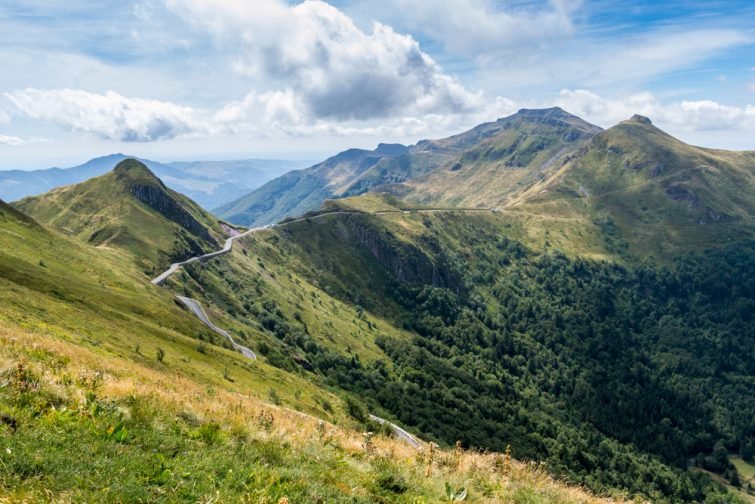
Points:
[(689, 115), (282, 114), (751, 87), (334, 69), (10, 140), (479, 27), (109, 115)]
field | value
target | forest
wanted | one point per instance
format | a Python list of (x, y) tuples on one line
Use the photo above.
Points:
[(614, 375)]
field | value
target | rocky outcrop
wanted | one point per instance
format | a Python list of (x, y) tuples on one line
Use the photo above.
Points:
[(678, 192), (161, 201), (405, 262)]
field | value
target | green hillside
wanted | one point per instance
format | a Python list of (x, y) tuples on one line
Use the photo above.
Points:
[(131, 209), (651, 194), (463, 326)]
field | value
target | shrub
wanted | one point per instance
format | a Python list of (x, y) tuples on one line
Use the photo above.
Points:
[(355, 410)]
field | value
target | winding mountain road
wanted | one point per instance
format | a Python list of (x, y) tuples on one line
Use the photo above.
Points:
[(196, 308), (158, 280), (400, 433)]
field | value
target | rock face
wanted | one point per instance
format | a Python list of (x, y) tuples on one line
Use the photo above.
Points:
[(641, 119), (678, 192), (158, 199), (404, 262)]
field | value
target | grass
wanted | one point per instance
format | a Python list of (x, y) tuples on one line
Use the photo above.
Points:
[(623, 185), (151, 436), (103, 211)]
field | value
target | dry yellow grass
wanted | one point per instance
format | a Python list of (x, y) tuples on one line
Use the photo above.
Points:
[(240, 415)]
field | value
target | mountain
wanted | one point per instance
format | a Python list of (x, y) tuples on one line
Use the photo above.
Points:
[(515, 148), (517, 151), (649, 193), (299, 191), (129, 208), (209, 183)]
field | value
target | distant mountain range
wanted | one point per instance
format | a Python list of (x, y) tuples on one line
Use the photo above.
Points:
[(630, 186), (209, 183), (522, 145)]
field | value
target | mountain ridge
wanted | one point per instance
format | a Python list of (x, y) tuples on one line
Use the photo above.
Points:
[(132, 209), (356, 171)]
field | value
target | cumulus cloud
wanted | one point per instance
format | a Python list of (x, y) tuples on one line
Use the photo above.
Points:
[(280, 114), (479, 27), (10, 140), (688, 115), (109, 115), (328, 65)]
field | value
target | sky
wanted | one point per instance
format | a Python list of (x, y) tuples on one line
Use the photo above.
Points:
[(231, 79)]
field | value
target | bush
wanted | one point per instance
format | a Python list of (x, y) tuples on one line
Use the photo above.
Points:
[(356, 410)]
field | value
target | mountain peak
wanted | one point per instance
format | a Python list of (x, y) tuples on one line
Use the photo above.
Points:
[(133, 170), (641, 119), (552, 116), (387, 149), (544, 112)]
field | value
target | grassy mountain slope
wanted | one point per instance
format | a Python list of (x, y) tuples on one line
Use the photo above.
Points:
[(649, 193), (80, 336), (51, 285), (528, 141), (131, 209), (522, 149)]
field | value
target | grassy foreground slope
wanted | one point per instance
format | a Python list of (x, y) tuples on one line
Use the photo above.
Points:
[(111, 393), (131, 209)]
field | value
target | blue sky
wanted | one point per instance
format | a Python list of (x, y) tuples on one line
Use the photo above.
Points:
[(189, 79)]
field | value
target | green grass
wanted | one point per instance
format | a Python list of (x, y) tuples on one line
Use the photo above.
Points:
[(104, 212), (133, 446), (623, 186), (746, 469), (133, 453)]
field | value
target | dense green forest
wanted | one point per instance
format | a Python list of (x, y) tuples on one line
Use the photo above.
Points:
[(617, 376)]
